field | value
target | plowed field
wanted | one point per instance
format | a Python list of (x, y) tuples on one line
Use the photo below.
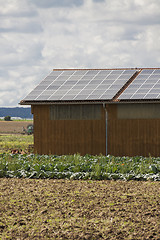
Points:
[(13, 126), (65, 209)]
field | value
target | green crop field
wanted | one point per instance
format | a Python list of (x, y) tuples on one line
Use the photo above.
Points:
[(79, 167)]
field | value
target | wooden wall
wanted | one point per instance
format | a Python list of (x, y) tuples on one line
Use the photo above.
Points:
[(132, 137), (67, 136), (125, 137)]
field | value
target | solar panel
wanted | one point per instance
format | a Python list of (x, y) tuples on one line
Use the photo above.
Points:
[(81, 85), (147, 71), (145, 86), (157, 71), (128, 71), (80, 72)]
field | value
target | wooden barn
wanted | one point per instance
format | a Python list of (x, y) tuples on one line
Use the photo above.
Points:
[(97, 111)]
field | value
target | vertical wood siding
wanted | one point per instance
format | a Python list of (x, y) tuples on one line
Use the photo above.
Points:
[(67, 136), (132, 137), (126, 137)]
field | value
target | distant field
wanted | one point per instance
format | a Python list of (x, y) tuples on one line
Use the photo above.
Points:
[(13, 126), (9, 142)]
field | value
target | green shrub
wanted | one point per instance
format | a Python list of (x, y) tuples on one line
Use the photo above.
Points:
[(7, 118)]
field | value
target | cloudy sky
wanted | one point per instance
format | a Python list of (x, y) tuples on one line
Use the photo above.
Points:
[(37, 36)]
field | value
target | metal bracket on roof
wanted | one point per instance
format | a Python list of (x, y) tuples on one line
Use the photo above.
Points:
[(115, 98)]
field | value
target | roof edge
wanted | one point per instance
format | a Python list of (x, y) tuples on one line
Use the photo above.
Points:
[(129, 68), (89, 102)]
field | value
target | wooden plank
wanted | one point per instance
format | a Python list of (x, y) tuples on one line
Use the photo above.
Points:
[(67, 136), (133, 136)]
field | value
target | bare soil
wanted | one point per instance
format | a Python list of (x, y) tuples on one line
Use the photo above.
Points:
[(65, 209), (13, 126)]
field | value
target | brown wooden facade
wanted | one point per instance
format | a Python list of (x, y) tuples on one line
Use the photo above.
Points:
[(131, 135), (67, 136), (134, 136)]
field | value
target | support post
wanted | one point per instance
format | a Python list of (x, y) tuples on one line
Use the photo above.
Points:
[(106, 123)]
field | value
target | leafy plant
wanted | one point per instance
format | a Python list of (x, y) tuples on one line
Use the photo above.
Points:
[(79, 167)]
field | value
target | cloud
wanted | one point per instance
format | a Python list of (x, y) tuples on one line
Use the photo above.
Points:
[(17, 9), (25, 27), (56, 3), (19, 17), (37, 36), (98, 1)]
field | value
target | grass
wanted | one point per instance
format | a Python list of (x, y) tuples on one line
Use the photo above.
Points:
[(14, 141), (15, 120)]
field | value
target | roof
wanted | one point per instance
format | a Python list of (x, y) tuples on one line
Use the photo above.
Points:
[(97, 85)]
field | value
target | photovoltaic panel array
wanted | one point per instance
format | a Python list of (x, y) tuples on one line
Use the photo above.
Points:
[(145, 86), (62, 85)]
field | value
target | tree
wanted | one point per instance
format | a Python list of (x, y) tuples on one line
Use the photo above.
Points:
[(7, 118)]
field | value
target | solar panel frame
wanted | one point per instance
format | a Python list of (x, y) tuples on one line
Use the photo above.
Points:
[(151, 96), (83, 92), (53, 87), (79, 72), (103, 86), (81, 85), (56, 73), (147, 71), (148, 86), (92, 97), (139, 96), (48, 92), (96, 92), (129, 71), (142, 90), (77, 86), (46, 82), (67, 73), (99, 77), (157, 85), (79, 97), (42, 97), (87, 84), (63, 87), (154, 90), (117, 72), (103, 72), (54, 97), (157, 71), (114, 91), (30, 97), (153, 81), (40, 87), (68, 97), (154, 76), (148, 80), (63, 83), (73, 91), (92, 72), (115, 87)]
